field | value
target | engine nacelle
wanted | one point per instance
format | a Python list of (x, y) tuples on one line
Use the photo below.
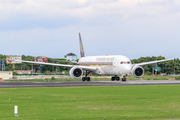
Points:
[(137, 71), (76, 72)]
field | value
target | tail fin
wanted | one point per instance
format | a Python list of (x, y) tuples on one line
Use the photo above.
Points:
[(81, 46)]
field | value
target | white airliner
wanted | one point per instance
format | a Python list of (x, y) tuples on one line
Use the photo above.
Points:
[(116, 65)]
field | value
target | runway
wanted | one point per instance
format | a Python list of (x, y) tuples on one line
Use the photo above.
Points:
[(86, 83)]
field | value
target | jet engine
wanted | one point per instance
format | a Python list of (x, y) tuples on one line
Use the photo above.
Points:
[(76, 72), (137, 71)]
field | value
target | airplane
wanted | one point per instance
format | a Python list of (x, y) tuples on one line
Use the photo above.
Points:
[(116, 65)]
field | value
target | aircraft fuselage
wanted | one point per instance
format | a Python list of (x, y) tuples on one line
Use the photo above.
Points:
[(108, 65)]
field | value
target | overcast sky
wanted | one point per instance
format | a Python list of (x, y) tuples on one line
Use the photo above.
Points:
[(134, 28)]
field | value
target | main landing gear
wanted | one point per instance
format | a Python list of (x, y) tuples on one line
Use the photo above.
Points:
[(116, 78), (86, 78)]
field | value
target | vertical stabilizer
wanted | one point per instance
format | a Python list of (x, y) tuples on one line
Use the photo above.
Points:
[(81, 46)]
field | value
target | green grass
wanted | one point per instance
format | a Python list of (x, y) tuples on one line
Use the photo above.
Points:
[(149, 77), (91, 103)]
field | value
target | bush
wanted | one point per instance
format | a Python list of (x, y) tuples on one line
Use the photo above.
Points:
[(15, 73), (148, 73), (177, 78), (48, 72), (37, 71), (53, 78)]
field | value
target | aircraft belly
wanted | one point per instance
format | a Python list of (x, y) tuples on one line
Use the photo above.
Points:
[(110, 71)]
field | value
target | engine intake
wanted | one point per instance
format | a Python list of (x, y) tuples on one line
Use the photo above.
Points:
[(76, 72), (137, 71)]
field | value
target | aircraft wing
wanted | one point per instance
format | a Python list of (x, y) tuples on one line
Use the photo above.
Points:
[(152, 62), (89, 68)]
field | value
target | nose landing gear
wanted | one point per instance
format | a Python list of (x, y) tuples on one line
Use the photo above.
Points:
[(124, 79)]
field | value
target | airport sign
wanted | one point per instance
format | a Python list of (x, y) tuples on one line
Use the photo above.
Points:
[(157, 69)]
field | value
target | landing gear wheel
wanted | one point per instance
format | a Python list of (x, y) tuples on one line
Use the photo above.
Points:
[(86, 78), (113, 78), (124, 79), (117, 78), (83, 79)]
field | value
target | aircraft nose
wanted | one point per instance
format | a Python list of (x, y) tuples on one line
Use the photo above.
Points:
[(128, 68)]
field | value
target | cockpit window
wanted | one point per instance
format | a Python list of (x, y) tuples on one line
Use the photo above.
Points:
[(125, 62)]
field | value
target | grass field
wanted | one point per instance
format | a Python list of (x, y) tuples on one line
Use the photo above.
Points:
[(91, 103)]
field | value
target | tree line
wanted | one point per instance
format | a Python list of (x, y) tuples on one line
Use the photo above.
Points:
[(28, 66), (168, 67)]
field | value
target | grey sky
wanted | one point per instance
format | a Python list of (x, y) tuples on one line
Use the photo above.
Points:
[(134, 28)]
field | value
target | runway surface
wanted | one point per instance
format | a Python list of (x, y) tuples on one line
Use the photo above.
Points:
[(86, 83)]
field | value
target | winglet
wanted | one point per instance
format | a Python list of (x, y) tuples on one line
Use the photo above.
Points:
[(81, 46)]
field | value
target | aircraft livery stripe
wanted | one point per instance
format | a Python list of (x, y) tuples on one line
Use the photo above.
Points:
[(96, 63)]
